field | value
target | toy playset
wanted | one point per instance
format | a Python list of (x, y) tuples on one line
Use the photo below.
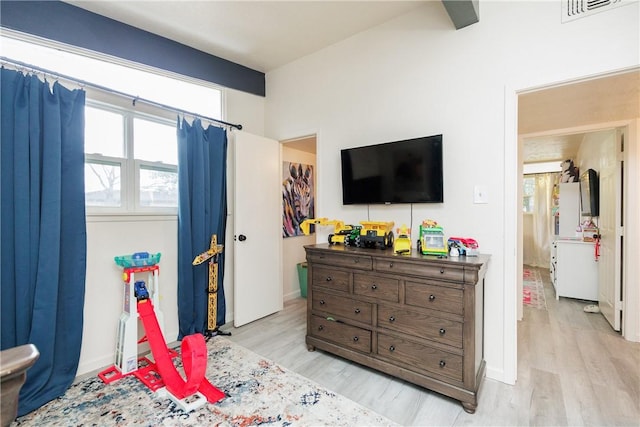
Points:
[(159, 375)]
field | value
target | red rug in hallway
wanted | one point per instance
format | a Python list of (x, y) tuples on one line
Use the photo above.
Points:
[(532, 289)]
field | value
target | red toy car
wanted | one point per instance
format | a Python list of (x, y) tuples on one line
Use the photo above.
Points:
[(466, 246)]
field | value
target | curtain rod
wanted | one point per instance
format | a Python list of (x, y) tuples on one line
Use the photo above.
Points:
[(134, 99)]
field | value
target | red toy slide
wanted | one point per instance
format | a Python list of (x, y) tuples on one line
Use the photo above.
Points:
[(194, 359)]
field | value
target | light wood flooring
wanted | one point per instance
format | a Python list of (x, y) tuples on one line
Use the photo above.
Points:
[(573, 370)]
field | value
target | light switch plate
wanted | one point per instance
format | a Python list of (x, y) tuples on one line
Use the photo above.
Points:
[(480, 194)]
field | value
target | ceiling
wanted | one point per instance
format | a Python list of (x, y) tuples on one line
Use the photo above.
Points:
[(551, 148), (261, 35)]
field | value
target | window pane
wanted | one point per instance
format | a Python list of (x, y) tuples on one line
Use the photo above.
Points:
[(528, 194), (158, 187), (103, 133), (155, 142), (102, 184)]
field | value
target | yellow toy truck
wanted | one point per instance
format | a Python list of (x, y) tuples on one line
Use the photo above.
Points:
[(402, 244)]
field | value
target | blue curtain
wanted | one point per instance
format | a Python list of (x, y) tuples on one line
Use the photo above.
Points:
[(202, 211), (43, 230)]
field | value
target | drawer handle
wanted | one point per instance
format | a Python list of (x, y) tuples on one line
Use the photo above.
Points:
[(390, 265), (441, 270), (355, 339), (392, 319), (442, 331), (321, 302), (320, 327), (374, 286), (432, 297), (357, 311), (329, 278), (356, 260), (392, 348), (442, 363)]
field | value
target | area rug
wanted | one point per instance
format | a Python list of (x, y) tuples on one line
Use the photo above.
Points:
[(533, 289), (259, 392)]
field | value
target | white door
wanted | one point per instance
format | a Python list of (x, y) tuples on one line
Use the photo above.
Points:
[(610, 278), (257, 228)]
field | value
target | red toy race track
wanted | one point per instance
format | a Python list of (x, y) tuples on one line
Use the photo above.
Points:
[(163, 373), (194, 359)]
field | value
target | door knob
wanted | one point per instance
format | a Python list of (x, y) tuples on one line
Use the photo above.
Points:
[(242, 237)]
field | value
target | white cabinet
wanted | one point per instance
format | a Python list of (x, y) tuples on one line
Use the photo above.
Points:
[(574, 270)]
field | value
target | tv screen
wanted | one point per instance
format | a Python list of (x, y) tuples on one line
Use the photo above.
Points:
[(589, 193), (408, 171)]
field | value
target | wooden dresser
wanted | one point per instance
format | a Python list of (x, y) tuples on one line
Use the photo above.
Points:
[(418, 318)]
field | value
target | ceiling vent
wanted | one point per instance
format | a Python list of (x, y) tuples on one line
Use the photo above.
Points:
[(574, 9)]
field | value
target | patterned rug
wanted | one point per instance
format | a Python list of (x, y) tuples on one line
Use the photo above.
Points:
[(532, 289), (259, 392)]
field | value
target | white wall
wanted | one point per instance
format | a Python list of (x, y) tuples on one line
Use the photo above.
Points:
[(293, 247), (109, 236), (417, 76)]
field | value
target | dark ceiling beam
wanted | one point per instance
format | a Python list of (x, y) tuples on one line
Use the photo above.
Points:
[(462, 12)]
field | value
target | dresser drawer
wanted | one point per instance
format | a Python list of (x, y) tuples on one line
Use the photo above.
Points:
[(420, 356), (361, 262), (378, 287), (421, 324), (434, 297), (330, 278), (342, 308), (341, 334), (420, 269)]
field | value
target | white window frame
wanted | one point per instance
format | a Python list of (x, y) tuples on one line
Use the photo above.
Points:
[(129, 166), (157, 166)]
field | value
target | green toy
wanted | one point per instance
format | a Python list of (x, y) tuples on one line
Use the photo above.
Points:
[(431, 239)]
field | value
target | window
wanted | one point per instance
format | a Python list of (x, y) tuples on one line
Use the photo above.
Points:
[(131, 153), (528, 199), (130, 161)]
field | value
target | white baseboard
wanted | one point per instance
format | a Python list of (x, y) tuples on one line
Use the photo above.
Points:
[(292, 295), (496, 374)]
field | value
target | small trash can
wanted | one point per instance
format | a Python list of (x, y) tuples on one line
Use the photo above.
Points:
[(302, 278)]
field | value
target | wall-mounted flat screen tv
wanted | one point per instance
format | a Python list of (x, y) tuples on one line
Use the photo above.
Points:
[(589, 193), (407, 171)]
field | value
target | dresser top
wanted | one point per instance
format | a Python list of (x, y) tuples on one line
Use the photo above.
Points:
[(472, 261)]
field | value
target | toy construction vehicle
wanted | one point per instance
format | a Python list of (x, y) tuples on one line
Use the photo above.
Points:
[(402, 244), (431, 239), (342, 233), (368, 234)]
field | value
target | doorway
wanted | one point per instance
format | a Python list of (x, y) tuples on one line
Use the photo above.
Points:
[(299, 151), (605, 102)]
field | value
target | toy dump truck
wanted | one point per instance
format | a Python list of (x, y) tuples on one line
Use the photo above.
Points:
[(376, 234)]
